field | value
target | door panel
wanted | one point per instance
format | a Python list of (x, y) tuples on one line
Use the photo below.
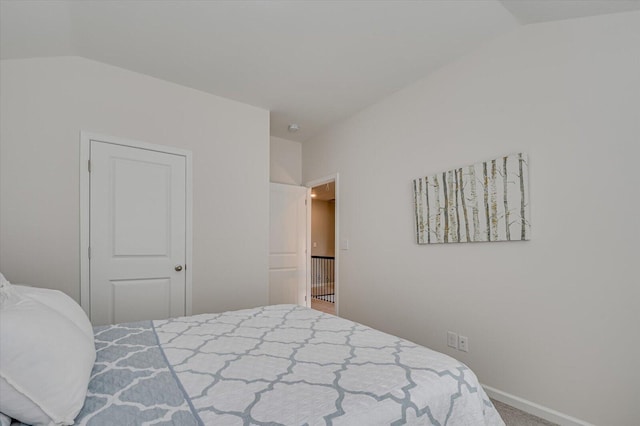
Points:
[(128, 293), (141, 224), (137, 233), (288, 244)]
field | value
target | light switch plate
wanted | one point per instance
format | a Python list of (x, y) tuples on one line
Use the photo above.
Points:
[(452, 339)]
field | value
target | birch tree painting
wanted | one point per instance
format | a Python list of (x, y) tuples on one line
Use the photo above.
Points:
[(488, 201)]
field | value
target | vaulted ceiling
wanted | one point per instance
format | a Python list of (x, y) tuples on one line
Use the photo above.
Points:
[(313, 63)]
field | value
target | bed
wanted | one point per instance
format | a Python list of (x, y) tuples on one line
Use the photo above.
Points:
[(282, 364)]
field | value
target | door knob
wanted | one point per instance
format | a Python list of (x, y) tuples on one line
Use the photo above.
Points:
[(178, 268)]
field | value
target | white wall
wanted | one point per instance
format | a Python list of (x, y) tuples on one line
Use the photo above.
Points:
[(285, 161), (44, 105), (555, 320)]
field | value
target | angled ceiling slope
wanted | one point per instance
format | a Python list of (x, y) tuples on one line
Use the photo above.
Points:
[(310, 62), (532, 11)]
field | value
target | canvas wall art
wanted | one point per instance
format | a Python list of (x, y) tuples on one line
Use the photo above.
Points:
[(487, 201)]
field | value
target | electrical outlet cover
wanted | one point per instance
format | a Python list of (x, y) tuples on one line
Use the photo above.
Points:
[(463, 343)]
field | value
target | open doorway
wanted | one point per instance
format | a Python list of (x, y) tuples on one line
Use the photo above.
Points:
[(323, 247)]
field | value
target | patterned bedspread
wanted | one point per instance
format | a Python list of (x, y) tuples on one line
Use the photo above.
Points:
[(132, 383), (281, 364)]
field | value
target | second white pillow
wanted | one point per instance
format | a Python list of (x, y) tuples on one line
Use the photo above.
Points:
[(46, 358)]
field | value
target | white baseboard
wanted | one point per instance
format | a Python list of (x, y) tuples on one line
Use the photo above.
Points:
[(533, 408)]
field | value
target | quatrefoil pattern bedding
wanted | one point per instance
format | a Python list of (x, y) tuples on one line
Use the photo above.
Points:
[(275, 365), (290, 365)]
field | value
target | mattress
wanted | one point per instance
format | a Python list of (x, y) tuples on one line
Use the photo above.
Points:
[(282, 364)]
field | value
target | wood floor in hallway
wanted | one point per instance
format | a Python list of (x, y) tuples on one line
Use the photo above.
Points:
[(321, 305)]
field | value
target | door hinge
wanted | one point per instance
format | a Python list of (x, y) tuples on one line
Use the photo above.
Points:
[(89, 252), (305, 201), (89, 165)]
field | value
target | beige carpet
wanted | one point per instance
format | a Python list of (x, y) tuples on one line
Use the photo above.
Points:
[(514, 417)]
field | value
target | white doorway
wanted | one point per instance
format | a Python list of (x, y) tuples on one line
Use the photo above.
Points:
[(288, 244), (135, 227), (324, 254)]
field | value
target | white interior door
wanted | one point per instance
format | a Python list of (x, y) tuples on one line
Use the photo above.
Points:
[(137, 234), (288, 244)]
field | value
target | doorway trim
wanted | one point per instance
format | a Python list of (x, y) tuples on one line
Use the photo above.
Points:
[(336, 241), (85, 156)]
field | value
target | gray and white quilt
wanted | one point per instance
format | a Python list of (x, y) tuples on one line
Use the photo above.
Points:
[(275, 365)]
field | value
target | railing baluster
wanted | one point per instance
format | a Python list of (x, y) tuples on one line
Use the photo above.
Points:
[(322, 278)]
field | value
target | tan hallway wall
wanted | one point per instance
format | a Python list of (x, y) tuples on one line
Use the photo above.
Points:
[(322, 228)]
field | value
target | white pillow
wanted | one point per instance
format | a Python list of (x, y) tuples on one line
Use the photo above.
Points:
[(60, 302), (46, 356), (4, 287), (4, 420)]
